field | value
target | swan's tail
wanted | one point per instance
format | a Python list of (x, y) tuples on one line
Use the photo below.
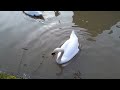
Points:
[(73, 35)]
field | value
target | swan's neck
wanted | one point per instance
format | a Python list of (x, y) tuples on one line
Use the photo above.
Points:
[(62, 52)]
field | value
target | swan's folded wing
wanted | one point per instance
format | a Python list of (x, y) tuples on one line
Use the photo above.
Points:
[(71, 50), (65, 45)]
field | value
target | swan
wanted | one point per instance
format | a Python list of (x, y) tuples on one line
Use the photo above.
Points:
[(33, 13), (68, 50)]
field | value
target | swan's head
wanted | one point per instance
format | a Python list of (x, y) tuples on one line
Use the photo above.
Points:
[(53, 53), (59, 56), (56, 51)]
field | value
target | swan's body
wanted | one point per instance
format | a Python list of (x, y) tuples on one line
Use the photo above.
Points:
[(68, 50), (34, 13)]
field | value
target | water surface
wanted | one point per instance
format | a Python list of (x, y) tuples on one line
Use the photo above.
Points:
[(26, 44)]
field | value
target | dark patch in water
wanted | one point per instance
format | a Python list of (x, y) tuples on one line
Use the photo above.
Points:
[(110, 32), (57, 13), (24, 48), (25, 65), (77, 75), (118, 26), (91, 39), (43, 56), (75, 26)]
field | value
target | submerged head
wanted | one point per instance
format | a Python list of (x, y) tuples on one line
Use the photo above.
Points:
[(53, 53), (57, 50), (59, 56)]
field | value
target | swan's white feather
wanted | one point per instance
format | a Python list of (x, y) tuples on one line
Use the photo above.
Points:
[(70, 48)]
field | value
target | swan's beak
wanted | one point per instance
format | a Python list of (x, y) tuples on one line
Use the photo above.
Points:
[(53, 54)]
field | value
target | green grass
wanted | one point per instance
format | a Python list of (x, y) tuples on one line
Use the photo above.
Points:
[(7, 76)]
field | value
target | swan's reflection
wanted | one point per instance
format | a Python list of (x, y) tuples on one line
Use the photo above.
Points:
[(62, 66)]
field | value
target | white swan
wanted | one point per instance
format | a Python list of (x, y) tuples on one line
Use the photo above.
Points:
[(34, 13), (68, 50)]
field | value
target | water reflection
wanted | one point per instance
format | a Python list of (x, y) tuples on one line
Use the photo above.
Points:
[(96, 21), (98, 59)]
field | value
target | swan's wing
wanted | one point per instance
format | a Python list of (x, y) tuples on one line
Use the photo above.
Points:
[(65, 45), (71, 50)]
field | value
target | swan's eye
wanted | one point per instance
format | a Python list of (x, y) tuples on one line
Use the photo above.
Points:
[(53, 54)]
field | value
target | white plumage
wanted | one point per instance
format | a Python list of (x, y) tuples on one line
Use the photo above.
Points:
[(68, 50)]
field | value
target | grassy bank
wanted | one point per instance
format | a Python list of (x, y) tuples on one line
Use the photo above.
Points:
[(7, 76)]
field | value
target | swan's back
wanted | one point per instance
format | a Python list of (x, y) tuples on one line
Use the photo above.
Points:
[(70, 48)]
